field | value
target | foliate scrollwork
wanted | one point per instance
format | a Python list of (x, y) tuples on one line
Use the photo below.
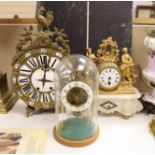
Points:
[(43, 37), (107, 52)]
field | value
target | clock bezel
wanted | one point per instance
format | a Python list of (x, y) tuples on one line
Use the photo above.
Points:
[(15, 73)]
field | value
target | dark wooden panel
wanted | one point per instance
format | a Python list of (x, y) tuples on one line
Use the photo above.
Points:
[(72, 17), (110, 19)]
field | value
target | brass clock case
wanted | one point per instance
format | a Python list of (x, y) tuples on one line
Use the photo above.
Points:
[(36, 55)]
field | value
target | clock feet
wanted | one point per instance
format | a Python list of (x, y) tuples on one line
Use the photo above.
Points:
[(148, 105), (30, 111)]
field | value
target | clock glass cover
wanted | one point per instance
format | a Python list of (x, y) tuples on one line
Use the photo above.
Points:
[(76, 106)]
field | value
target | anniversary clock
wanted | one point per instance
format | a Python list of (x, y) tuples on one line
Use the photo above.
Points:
[(76, 108), (116, 79), (38, 54)]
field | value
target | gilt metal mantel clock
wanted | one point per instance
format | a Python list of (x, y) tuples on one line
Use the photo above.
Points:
[(37, 56), (116, 79), (116, 76)]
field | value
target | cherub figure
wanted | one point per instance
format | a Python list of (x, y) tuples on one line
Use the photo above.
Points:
[(127, 67)]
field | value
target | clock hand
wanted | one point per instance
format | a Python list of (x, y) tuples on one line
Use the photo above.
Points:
[(40, 80), (49, 81), (44, 78)]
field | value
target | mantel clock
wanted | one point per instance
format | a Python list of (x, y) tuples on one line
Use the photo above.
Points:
[(116, 79), (116, 76), (37, 56)]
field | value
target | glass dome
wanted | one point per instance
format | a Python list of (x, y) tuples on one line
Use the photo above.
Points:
[(76, 107)]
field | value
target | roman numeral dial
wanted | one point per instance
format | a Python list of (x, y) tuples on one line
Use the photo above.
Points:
[(34, 74)]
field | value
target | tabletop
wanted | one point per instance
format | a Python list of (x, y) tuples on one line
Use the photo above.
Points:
[(117, 135)]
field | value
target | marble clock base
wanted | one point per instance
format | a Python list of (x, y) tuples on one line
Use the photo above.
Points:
[(124, 104)]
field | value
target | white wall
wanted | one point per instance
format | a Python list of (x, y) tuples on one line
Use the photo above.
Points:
[(24, 9)]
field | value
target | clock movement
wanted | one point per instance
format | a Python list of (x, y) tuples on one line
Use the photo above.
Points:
[(37, 55), (76, 107), (117, 93)]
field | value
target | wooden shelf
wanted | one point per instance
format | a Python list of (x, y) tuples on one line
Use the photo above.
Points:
[(19, 21), (144, 21)]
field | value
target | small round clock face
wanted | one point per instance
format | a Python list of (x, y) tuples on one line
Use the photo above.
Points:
[(33, 77), (77, 96), (109, 78)]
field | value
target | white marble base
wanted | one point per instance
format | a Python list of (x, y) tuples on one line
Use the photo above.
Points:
[(125, 104)]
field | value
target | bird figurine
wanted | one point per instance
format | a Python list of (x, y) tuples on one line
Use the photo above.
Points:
[(44, 18)]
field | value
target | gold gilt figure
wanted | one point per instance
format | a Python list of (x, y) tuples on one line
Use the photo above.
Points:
[(127, 67)]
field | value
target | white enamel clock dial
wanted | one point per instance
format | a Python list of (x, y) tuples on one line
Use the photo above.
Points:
[(33, 77), (109, 78), (77, 96)]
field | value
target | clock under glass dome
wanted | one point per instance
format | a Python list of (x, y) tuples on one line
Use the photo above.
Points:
[(76, 107)]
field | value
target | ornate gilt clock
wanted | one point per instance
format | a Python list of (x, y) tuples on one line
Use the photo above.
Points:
[(38, 54), (116, 76), (76, 108), (116, 79)]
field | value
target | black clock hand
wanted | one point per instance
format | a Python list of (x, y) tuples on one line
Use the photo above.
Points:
[(44, 78), (49, 81)]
